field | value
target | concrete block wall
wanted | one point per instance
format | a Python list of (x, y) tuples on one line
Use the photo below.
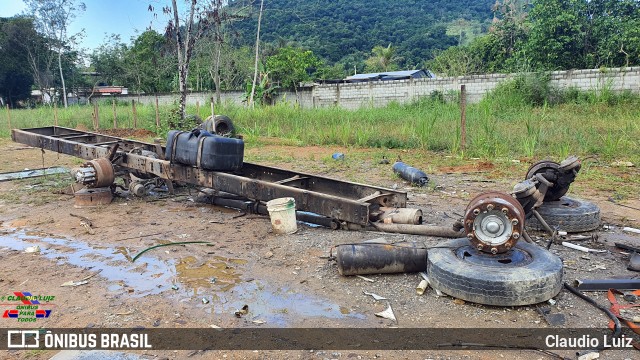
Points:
[(381, 93), (301, 98)]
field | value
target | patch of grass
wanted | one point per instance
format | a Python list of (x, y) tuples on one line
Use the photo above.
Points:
[(518, 120)]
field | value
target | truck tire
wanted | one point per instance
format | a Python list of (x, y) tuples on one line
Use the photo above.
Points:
[(220, 125), (567, 214), (527, 274)]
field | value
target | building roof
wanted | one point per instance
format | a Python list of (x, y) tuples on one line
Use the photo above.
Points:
[(391, 75)]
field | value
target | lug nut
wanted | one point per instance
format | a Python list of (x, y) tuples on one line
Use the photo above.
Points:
[(505, 211), (490, 207), (476, 211), (480, 247), (494, 251), (514, 222), (507, 245), (516, 235), (470, 235)]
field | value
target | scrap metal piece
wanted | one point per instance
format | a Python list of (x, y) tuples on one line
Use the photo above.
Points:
[(376, 297), (374, 258), (437, 231), (494, 222), (387, 314), (92, 197), (553, 319), (415, 176), (31, 173), (401, 215), (606, 284)]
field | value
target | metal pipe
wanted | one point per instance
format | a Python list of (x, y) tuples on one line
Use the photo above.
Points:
[(606, 284), (437, 231), (543, 222), (527, 238), (375, 258)]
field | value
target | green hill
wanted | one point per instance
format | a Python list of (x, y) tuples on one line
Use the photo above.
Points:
[(345, 31)]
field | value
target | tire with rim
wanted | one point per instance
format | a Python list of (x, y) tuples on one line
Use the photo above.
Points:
[(527, 274), (567, 214)]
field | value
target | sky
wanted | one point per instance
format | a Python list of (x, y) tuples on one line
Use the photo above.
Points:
[(104, 17)]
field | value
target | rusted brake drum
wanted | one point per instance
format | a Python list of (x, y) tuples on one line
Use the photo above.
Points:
[(96, 173), (494, 222)]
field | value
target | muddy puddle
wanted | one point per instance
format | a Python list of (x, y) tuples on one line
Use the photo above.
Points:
[(216, 284)]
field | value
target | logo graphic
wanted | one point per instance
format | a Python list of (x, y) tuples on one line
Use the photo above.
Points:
[(28, 308), (25, 297), (21, 339)]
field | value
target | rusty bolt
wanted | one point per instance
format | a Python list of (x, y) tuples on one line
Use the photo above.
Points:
[(494, 251), (507, 245), (490, 207), (476, 211), (516, 235), (470, 235), (480, 247), (514, 222), (505, 210)]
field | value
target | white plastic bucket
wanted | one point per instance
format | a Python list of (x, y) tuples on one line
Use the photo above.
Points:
[(282, 212)]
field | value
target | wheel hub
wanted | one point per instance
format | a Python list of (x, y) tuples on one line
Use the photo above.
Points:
[(494, 222)]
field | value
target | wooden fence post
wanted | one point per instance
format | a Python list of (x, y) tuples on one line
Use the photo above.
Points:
[(157, 115), (9, 117), (115, 119), (463, 117), (198, 108), (55, 113), (135, 114), (212, 112), (96, 116)]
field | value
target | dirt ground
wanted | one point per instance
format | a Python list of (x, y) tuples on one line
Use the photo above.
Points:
[(286, 280)]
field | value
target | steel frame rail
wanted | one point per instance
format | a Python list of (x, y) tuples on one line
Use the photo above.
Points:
[(342, 200)]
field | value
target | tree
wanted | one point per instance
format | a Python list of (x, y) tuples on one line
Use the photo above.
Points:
[(290, 66), (223, 16), (149, 62), (383, 59), (557, 36), (108, 60), (199, 18), (15, 78), (52, 20), (255, 65), (23, 37)]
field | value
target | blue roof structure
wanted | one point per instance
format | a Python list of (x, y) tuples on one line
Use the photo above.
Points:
[(391, 75)]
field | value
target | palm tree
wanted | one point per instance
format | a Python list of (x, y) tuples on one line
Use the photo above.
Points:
[(382, 58)]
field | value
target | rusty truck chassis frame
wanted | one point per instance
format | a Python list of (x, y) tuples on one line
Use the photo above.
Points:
[(346, 202)]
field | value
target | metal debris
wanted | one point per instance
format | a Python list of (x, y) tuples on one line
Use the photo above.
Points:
[(75, 283), (32, 249), (387, 314), (630, 229), (582, 248), (375, 296), (31, 173), (365, 278), (422, 287), (243, 311)]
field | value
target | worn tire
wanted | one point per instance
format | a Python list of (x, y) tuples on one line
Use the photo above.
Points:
[(224, 126), (500, 285), (567, 214)]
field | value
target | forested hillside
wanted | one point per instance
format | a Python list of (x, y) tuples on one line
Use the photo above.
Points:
[(346, 30)]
